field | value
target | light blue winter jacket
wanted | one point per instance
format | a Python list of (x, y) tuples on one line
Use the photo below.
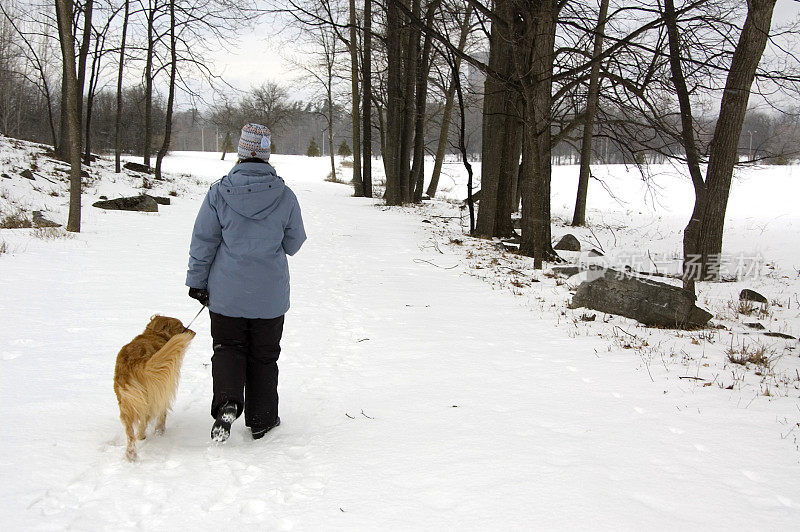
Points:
[(248, 223)]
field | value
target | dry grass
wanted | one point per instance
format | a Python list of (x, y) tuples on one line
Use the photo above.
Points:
[(173, 193), (346, 164), (335, 179), (52, 233), (16, 220), (3, 247), (757, 354)]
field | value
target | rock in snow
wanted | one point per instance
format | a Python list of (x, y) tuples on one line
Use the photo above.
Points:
[(136, 203), (568, 243), (644, 300)]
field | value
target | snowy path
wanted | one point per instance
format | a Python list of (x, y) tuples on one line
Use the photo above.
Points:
[(412, 397)]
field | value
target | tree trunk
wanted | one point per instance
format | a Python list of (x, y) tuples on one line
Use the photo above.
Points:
[(579, 216), (148, 84), (394, 112), (162, 152), (358, 186), (94, 79), (423, 69), (410, 56), (501, 130), (702, 239), (733, 109), (366, 84), (118, 117), (536, 30), (67, 39), (83, 53), (330, 118), (444, 130)]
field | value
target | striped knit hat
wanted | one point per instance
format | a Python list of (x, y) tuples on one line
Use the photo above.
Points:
[(254, 142)]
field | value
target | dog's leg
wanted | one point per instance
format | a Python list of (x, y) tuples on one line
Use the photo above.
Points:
[(130, 453), (161, 426), (143, 422)]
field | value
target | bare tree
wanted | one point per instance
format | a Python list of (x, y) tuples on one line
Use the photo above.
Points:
[(70, 81), (592, 98)]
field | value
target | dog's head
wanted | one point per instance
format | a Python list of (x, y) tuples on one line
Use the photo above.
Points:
[(165, 326)]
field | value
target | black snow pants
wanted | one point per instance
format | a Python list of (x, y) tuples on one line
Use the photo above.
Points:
[(245, 367)]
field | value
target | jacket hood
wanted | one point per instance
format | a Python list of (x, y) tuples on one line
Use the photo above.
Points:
[(253, 190)]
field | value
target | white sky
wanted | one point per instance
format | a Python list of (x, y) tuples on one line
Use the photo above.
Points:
[(260, 55)]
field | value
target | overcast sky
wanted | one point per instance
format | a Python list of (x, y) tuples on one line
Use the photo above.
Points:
[(261, 55)]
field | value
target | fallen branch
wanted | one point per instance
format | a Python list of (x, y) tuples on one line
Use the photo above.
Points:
[(432, 264)]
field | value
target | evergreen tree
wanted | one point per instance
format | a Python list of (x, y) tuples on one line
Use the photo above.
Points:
[(313, 149), (344, 149)]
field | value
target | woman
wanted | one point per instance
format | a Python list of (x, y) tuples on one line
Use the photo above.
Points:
[(250, 220)]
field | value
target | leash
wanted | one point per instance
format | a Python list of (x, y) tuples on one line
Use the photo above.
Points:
[(195, 317)]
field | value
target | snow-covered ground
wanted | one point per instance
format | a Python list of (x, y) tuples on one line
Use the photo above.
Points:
[(428, 380)]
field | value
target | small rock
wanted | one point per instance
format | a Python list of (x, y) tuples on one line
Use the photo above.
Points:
[(568, 243), (5, 176), (136, 203), (160, 199), (595, 253), (780, 335), (103, 197), (754, 325), (566, 271), (136, 167), (40, 221), (27, 174), (752, 295)]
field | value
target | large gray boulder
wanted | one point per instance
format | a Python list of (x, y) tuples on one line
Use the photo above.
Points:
[(135, 203), (644, 300), (568, 243)]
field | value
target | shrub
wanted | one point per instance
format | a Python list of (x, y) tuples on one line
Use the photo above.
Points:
[(52, 233), (313, 149), (758, 355), (344, 150)]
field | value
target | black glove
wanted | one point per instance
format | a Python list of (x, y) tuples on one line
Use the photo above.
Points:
[(200, 294)]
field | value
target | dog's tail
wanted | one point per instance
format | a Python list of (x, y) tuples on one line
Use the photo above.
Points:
[(163, 370)]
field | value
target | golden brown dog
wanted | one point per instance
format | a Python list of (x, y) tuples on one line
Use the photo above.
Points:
[(146, 376)]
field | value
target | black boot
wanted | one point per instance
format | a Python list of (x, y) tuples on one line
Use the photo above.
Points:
[(225, 417), (259, 432)]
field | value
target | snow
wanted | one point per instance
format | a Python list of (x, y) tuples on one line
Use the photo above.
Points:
[(424, 384)]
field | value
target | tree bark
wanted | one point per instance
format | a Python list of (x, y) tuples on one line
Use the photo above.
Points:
[(148, 83), (67, 40), (118, 116), (579, 216), (358, 186), (162, 152), (534, 54), (410, 59), (423, 69), (366, 84), (501, 129), (394, 111), (83, 53)]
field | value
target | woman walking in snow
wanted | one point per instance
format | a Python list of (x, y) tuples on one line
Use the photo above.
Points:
[(247, 225)]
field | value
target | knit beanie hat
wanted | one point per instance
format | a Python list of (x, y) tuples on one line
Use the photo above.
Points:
[(254, 142)]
